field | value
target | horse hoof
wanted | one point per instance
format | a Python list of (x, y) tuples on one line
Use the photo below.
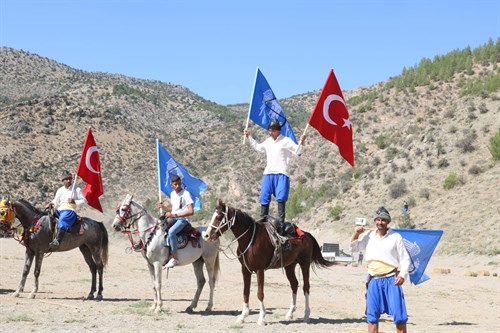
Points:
[(307, 320), (240, 320), (32, 296), (90, 297), (189, 309), (157, 310), (99, 298), (289, 316), (261, 322), (16, 294)]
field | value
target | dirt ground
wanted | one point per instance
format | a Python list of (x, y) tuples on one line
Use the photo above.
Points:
[(453, 302)]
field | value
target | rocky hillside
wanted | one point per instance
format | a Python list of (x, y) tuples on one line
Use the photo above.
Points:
[(409, 143)]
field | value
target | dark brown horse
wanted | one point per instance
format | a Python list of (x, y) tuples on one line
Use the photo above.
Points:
[(37, 234), (256, 253)]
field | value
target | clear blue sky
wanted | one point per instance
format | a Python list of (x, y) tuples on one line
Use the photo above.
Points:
[(214, 47)]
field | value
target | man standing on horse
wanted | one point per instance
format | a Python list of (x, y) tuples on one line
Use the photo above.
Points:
[(181, 207), (275, 181), (66, 201)]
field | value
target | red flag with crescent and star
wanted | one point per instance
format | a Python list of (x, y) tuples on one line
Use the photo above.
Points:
[(89, 170), (331, 118)]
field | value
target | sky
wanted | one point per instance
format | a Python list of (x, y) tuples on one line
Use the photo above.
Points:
[(214, 47)]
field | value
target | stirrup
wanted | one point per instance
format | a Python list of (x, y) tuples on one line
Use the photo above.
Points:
[(54, 243)]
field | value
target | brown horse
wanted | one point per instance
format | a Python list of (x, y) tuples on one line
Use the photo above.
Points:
[(256, 253)]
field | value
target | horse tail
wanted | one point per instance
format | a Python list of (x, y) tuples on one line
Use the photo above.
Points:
[(104, 244), (317, 258), (216, 267)]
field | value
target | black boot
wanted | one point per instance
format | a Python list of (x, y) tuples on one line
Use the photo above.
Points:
[(281, 211), (56, 242), (264, 210)]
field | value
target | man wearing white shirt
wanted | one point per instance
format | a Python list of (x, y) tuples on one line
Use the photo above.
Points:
[(66, 201), (388, 265), (275, 181)]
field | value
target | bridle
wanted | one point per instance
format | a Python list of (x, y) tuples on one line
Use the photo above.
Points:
[(229, 222), (128, 220), (127, 216), (7, 213)]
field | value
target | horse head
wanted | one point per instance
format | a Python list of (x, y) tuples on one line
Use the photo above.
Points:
[(7, 215), (222, 220), (124, 215)]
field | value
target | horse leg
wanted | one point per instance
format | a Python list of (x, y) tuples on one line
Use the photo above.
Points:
[(28, 260), (100, 268), (212, 266), (200, 282), (260, 296), (155, 270), (294, 285), (87, 255), (36, 273), (247, 276), (305, 276)]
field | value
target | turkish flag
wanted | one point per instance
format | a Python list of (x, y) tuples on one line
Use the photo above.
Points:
[(331, 118), (89, 169)]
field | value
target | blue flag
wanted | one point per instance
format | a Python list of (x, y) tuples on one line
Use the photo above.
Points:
[(265, 107), (167, 167), (420, 244)]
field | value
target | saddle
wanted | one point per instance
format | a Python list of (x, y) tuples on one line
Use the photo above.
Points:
[(285, 229), (76, 228), (186, 235)]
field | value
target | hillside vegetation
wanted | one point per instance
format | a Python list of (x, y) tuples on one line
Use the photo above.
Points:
[(429, 136)]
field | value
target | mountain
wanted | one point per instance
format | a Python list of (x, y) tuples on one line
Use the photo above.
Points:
[(415, 134)]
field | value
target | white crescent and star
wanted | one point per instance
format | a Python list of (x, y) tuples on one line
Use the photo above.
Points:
[(90, 151), (326, 107)]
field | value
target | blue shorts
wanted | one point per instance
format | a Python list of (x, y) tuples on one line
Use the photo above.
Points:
[(66, 218), (274, 184), (383, 296)]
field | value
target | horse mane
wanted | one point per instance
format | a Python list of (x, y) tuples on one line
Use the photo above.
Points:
[(30, 206), (245, 217)]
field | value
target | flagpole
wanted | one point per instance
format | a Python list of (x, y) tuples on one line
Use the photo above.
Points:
[(300, 143), (250, 105), (159, 180), (74, 184)]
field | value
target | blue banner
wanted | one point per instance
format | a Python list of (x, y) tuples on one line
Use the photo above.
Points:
[(167, 167), (265, 107), (420, 244)]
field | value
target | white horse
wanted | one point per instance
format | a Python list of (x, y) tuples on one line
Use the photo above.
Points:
[(131, 214)]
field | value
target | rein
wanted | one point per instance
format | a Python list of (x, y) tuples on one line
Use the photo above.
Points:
[(140, 245), (230, 223)]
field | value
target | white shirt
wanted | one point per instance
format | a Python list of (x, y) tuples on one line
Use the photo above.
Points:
[(180, 201), (278, 153), (60, 200), (389, 249)]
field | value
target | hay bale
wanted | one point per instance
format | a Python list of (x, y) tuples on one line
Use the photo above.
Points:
[(438, 270), (470, 273)]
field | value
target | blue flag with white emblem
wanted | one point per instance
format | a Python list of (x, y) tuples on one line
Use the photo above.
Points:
[(265, 107), (420, 245), (167, 167)]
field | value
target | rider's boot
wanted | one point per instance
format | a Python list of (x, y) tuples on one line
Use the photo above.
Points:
[(264, 211), (174, 261), (281, 218), (57, 241)]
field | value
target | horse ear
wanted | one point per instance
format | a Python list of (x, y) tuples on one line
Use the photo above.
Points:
[(219, 203)]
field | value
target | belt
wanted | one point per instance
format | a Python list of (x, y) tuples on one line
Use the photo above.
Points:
[(391, 273)]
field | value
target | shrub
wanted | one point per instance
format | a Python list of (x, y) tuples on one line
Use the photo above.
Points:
[(398, 189), (450, 181), (335, 212), (495, 146), (382, 141), (406, 222)]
